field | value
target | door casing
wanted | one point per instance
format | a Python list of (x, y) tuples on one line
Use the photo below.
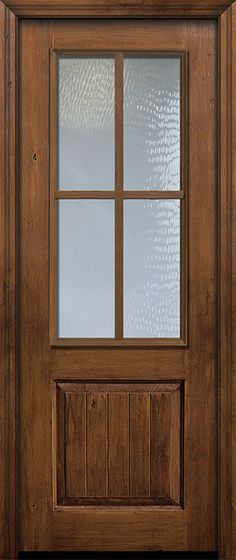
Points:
[(225, 12)]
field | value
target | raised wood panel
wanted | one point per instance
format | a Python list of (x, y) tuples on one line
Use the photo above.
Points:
[(119, 444)]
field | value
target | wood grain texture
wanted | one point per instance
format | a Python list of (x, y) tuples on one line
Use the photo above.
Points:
[(87, 530), (61, 439), (75, 439), (118, 444), (95, 364), (53, 131), (8, 283), (177, 447), (165, 442), (140, 444), (35, 457), (110, 8), (118, 343), (201, 388), (233, 276), (226, 539), (227, 279), (127, 448), (160, 444), (96, 444), (199, 38), (123, 35)]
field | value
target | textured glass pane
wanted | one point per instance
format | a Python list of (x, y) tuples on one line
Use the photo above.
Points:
[(152, 268), (152, 123), (86, 122), (86, 268)]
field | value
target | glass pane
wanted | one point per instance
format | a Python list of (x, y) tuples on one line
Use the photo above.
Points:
[(86, 268), (86, 122), (152, 123), (152, 268)]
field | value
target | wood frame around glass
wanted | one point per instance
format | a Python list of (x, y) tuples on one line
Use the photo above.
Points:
[(118, 195), (224, 11)]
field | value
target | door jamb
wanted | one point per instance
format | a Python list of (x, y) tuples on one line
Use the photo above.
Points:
[(225, 12)]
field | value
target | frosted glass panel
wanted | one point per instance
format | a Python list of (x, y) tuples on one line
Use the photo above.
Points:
[(152, 268), (86, 122), (86, 268), (152, 123)]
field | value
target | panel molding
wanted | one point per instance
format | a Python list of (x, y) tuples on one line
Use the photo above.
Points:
[(227, 241), (96, 429)]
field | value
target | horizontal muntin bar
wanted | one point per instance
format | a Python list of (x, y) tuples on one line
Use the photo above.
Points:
[(125, 195)]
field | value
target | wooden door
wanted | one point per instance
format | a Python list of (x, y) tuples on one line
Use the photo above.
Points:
[(117, 285)]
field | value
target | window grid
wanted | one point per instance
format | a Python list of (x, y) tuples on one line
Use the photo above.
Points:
[(118, 195)]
